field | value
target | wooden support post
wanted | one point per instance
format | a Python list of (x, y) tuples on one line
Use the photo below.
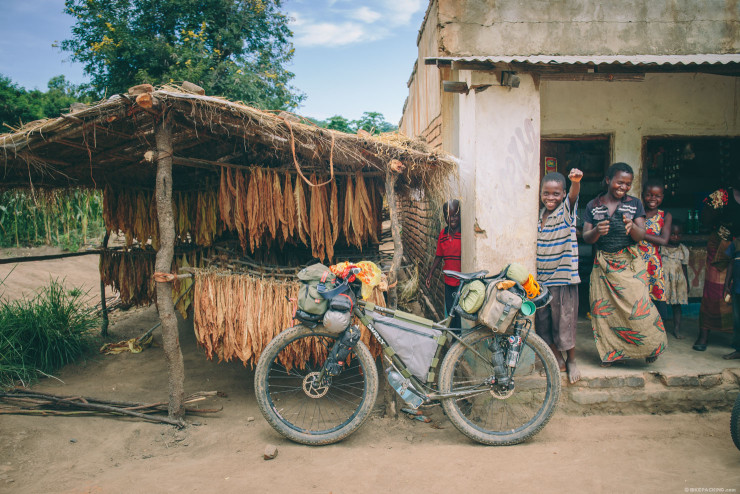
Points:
[(390, 397), (163, 264), (390, 194), (104, 309)]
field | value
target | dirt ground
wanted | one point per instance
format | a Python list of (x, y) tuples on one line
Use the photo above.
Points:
[(222, 452)]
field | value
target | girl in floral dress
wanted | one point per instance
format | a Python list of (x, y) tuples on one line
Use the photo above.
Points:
[(657, 233)]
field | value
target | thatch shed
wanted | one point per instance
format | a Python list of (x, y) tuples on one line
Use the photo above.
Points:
[(192, 179)]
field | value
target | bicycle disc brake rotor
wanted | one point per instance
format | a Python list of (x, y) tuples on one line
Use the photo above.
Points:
[(501, 394), (311, 390)]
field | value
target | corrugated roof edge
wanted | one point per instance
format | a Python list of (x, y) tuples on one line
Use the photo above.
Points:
[(696, 59)]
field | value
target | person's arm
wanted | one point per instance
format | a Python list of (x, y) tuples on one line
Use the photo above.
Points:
[(686, 275), (665, 233), (685, 256), (575, 177), (728, 280), (635, 228), (435, 264), (592, 233)]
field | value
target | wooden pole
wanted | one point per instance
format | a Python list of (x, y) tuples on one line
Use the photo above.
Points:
[(390, 194), (163, 264), (104, 326), (389, 395)]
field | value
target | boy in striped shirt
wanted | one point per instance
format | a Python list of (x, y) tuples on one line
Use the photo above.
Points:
[(557, 267)]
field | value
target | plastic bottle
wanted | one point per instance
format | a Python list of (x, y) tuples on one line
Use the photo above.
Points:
[(515, 344), (401, 386)]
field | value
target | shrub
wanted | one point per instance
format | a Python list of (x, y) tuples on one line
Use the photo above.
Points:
[(44, 333)]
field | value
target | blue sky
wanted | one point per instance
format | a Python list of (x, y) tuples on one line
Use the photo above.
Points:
[(350, 56)]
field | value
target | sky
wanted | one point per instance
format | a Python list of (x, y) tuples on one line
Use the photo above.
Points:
[(351, 56)]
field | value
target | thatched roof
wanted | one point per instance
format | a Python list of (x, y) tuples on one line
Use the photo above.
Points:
[(106, 144)]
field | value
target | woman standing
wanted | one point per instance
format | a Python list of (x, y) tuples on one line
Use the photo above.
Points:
[(722, 215), (625, 322)]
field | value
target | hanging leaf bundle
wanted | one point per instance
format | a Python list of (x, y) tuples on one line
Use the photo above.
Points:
[(237, 315), (135, 214)]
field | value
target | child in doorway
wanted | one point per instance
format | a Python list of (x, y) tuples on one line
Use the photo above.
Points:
[(557, 267), (732, 290), (448, 250), (657, 232), (675, 257)]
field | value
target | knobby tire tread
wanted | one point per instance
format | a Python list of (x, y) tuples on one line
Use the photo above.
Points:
[(453, 414), (273, 349), (735, 423)]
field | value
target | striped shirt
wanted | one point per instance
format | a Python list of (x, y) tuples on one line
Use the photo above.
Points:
[(557, 247), (448, 248)]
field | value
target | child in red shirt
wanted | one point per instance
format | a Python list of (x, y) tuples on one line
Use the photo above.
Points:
[(448, 249)]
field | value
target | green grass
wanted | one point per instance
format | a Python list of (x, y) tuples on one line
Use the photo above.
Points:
[(42, 334)]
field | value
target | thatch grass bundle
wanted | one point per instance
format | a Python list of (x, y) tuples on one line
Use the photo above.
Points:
[(42, 334)]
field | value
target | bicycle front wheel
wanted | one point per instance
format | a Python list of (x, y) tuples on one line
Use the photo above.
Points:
[(292, 402), (735, 423), (491, 416)]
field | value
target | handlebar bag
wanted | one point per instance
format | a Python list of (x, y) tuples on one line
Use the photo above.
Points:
[(499, 309), (415, 344), (309, 298)]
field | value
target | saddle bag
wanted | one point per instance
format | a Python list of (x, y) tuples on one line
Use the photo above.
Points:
[(499, 309), (310, 299), (415, 344)]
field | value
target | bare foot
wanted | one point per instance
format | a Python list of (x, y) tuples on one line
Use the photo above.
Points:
[(732, 356), (574, 374), (677, 334)]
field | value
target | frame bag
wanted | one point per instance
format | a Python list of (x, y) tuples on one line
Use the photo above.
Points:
[(414, 343)]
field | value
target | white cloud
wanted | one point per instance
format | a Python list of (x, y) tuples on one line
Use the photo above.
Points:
[(338, 22), (328, 34), (364, 14)]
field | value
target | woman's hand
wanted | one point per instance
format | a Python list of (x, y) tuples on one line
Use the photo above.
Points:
[(603, 227), (627, 224)]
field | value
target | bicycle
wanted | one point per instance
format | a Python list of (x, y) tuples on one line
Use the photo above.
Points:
[(496, 388), (735, 423)]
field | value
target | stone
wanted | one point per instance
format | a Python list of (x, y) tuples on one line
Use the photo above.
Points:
[(250, 419), (710, 380), (615, 382), (73, 440), (627, 396), (584, 397), (679, 380), (271, 452)]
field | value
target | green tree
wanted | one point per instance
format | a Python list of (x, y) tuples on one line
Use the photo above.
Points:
[(338, 122), (373, 122), (19, 106), (232, 48)]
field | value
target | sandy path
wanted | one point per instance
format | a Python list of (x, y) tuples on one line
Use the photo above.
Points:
[(223, 453)]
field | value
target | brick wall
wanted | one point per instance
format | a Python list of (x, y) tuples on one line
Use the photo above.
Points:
[(420, 225)]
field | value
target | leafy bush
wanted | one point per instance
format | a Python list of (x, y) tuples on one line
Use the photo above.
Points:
[(44, 333)]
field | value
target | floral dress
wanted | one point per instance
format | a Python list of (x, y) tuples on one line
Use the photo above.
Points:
[(651, 255)]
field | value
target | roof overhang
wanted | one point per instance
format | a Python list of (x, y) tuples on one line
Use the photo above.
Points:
[(723, 64)]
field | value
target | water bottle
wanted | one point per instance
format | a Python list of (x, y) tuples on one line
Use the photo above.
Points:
[(515, 344), (401, 386)]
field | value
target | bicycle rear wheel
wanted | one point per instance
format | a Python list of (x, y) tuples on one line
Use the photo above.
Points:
[(307, 414), (489, 416), (735, 423)]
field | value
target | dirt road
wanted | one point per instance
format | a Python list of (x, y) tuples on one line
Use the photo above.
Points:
[(223, 452)]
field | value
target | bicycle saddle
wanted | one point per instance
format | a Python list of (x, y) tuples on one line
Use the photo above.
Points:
[(465, 276)]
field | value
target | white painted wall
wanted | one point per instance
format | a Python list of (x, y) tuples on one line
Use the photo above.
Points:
[(663, 104), (499, 144)]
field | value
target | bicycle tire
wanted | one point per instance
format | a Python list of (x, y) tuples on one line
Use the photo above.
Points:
[(285, 401), (537, 390), (735, 423)]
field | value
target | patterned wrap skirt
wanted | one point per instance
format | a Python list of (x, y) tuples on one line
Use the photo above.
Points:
[(715, 314), (625, 321)]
